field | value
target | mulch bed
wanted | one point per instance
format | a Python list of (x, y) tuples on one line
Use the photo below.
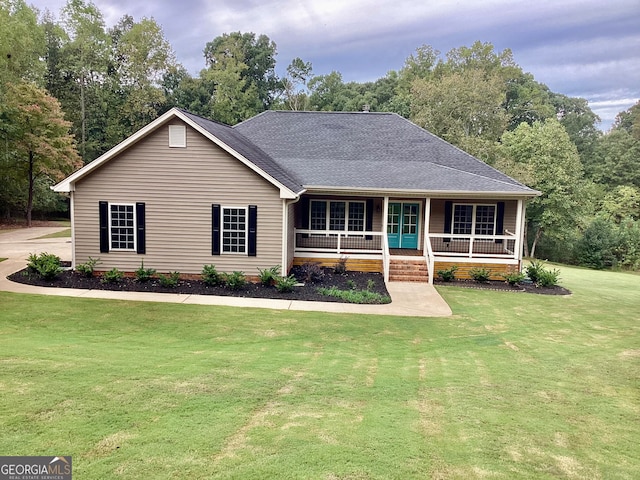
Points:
[(308, 291), (505, 287)]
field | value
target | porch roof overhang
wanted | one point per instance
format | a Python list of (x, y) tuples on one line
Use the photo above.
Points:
[(413, 193)]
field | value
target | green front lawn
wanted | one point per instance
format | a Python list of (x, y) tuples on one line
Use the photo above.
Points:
[(512, 386)]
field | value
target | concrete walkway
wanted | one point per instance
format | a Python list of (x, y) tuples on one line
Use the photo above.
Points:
[(407, 299)]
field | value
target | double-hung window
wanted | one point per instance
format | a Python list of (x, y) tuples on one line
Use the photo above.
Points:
[(476, 219), (337, 216), (234, 230), (122, 226)]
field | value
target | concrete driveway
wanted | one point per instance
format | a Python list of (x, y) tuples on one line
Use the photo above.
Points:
[(408, 299)]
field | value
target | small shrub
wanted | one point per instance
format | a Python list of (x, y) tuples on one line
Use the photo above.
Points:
[(112, 276), (448, 274), (351, 284), (286, 284), (234, 280), (169, 281), (370, 284), (210, 275), (513, 277), (340, 267), (480, 275), (311, 272), (533, 270), (548, 278), (144, 274), (269, 276), (87, 269), (46, 265)]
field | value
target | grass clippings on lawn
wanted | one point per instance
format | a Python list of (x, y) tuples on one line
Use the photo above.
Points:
[(510, 386)]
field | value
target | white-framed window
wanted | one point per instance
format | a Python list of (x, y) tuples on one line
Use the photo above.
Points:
[(177, 136), (234, 230), (337, 215), (122, 226), (473, 218)]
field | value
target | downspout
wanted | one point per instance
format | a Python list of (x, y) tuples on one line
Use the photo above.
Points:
[(285, 230), (73, 228)]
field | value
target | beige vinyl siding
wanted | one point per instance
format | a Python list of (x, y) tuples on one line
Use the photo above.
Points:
[(178, 187), (436, 222)]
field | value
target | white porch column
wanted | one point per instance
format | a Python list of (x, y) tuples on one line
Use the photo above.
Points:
[(427, 241), (517, 250), (385, 215), (427, 216)]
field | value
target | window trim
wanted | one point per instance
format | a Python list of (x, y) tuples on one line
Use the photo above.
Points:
[(134, 227), (474, 218), (347, 219), (223, 230)]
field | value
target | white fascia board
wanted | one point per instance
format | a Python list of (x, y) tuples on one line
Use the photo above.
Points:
[(68, 184)]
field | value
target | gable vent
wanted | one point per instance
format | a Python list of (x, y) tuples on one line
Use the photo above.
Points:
[(177, 136)]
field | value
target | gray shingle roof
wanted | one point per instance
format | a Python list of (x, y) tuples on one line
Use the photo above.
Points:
[(369, 151)]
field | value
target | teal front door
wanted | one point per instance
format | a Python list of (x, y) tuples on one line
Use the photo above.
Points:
[(402, 225)]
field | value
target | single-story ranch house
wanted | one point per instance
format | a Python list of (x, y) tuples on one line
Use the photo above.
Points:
[(288, 187)]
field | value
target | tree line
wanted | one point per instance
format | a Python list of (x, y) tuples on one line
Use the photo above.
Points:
[(71, 88)]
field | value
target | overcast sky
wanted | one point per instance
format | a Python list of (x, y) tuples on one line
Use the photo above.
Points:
[(588, 48)]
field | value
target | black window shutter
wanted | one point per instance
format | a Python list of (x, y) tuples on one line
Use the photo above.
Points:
[(448, 214), (500, 221), (304, 206), (369, 219), (253, 226), (141, 239), (104, 226), (215, 229)]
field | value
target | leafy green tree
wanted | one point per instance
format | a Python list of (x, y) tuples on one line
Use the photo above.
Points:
[(622, 202), (41, 147), (234, 97), (580, 123), (629, 120), (140, 59), (21, 43), (251, 60), (464, 108), (616, 159), (542, 156), (184, 91), (527, 100), (84, 58), (296, 93), (328, 93)]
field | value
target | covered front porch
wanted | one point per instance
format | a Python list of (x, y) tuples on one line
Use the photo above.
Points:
[(379, 233)]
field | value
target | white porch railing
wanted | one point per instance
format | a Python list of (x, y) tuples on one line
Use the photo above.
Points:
[(331, 241), (472, 246)]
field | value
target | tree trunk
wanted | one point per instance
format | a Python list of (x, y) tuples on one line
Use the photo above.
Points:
[(30, 193), (535, 241)]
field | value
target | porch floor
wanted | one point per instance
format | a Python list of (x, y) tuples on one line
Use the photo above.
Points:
[(406, 252)]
